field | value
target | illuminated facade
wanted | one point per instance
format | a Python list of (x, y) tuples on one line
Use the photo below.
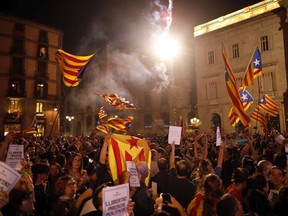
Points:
[(29, 77), (240, 33)]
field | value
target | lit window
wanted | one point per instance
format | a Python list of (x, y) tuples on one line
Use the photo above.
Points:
[(211, 57), (264, 43), (39, 107), (14, 105), (235, 51)]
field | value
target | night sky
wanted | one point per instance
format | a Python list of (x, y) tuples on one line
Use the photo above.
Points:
[(121, 23)]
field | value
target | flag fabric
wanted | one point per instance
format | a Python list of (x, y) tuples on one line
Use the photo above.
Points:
[(254, 69), (247, 101), (72, 66), (234, 93), (117, 124), (268, 105), (183, 125), (102, 113), (32, 128), (118, 102), (258, 116), (124, 148)]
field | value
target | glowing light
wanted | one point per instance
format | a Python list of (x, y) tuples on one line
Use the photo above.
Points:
[(166, 47)]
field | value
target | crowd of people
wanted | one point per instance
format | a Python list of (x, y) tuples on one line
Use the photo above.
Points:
[(66, 175)]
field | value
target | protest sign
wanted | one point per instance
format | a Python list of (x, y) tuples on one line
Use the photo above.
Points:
[(131, 168), (218, 137), (14, 156), (8, 177), (115, 200), (174, 135)]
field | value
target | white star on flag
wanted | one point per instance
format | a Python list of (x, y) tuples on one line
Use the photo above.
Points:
[(256, 62)]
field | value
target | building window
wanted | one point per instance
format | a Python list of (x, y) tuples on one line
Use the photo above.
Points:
[(43, 37), (42, 51), (42, 68), (17, 65), (264, 43), (14, 106), (211, 57), (40, 90), (39, 107), (235, 51), (211, 90), (18, 46), (19, 27), (267, 82), (16, 88)]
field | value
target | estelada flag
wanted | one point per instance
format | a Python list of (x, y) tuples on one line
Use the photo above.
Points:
[(118, 102), (124, 148), (72, 66)]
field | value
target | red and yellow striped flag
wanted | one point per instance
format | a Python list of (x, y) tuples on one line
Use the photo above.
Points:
[(124, 148), (72, 66)]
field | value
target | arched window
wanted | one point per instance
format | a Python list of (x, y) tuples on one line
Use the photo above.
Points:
[(215, 121)]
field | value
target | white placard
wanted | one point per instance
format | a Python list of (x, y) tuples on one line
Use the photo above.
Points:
[(14, 156), (279, 139), (133, 180), (174, 135), (8, 177), (218, 137), (115, 200)]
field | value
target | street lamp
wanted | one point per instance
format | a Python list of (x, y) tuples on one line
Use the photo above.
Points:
[(69, 118), (195, 122)]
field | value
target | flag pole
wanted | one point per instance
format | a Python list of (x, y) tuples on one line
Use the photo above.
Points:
[(68, 91)]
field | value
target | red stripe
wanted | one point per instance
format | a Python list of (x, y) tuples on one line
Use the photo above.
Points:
[(116, 150), (128, 157), (142, 155), (72, 57)]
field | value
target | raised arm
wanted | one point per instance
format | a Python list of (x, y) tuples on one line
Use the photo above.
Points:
[(172, 156), (205, 153)]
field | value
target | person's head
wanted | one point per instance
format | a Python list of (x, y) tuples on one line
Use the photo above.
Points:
[(22, 200), (261, 183), (40, 172), (280, 160), (258, 203), (31, 149), (228, 205), (97, 196), (162, 164), (66, 186), (142, 170), (263, 167), (76, 162), (55, 169), (277, 176), (212, 185), (248, 164), (54, 149), (154, 155), (205, 167), (240, 176), (182, 168)]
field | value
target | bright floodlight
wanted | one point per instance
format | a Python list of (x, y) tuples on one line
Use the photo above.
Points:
[(166, 47)]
